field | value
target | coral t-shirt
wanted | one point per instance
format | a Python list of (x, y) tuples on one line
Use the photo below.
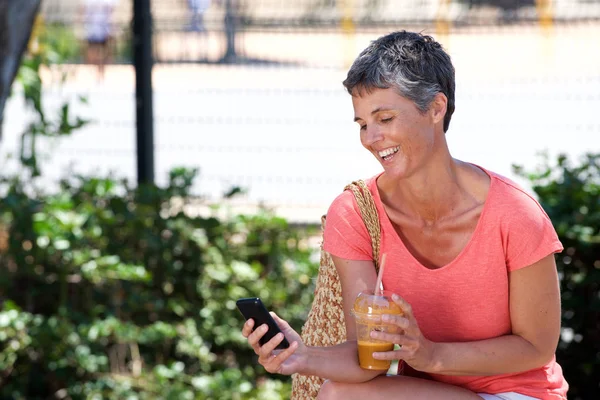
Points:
[(467, 299)]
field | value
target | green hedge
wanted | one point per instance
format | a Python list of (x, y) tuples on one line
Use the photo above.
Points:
[(110, 291), (114, 292), (570, 194)]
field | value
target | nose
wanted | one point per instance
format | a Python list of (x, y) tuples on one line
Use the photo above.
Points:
[(372, 135)]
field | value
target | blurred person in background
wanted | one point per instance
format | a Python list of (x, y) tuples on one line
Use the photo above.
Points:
[(470, 255), (96, 16), (197, 9)]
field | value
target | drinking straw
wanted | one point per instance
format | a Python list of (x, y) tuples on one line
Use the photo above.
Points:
[(379, 284)]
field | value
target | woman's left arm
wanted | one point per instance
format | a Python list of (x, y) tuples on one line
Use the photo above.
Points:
[(535, 317)]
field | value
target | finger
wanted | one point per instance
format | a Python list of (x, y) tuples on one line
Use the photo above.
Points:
[(247, 328), (274, 364), (401, 354), (403, 304), (284, 355), (400, 339), (398, 320), (255, 336), (267, 348), (283, 324)]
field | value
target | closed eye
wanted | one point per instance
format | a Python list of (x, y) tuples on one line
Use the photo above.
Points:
[(386, 120), (363, 127)]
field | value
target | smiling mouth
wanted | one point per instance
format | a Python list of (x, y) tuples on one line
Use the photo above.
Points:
[(388, 153)]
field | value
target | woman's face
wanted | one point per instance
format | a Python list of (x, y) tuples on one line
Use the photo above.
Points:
[(394, 130)]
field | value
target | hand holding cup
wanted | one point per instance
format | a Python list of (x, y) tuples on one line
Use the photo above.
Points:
[(415, 349)]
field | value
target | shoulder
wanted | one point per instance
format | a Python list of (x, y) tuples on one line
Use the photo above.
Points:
[(514, 201), (343, 207), (345, 234), (527, 232), (345, 203), (519, 212)]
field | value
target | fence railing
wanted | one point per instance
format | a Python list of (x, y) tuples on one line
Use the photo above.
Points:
[(211, 30)]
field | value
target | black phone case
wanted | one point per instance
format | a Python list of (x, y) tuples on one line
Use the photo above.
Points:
[(254, 308)]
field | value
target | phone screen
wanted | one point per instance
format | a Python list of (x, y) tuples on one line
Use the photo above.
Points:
[(254, 308)]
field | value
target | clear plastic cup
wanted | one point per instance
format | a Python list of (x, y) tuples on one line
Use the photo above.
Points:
[(367, 312)]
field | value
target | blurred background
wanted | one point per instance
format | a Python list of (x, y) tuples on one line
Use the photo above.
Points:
[(116, 290), (250, 91)]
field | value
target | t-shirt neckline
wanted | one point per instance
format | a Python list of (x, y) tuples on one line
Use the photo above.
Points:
[(384, 219)]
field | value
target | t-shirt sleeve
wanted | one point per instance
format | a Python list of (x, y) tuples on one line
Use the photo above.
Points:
[(529, 234), (345, 234)]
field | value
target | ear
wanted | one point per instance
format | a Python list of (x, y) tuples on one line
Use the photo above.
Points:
[(438, 107)]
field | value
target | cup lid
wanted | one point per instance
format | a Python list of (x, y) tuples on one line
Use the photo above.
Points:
[(368, 303), (367, 317)]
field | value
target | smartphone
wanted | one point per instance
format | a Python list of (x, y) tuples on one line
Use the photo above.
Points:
[(254, 308)]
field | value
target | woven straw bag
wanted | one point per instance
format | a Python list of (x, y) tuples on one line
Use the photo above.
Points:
[(325, 324)]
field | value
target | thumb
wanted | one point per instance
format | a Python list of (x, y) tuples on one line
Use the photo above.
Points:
[(283, 324)]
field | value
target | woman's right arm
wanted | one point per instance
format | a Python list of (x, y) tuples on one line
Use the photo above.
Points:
[(337, 363)]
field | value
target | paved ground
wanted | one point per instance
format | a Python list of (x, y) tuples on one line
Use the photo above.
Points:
[(286, 132)]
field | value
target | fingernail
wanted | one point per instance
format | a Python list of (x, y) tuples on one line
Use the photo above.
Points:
[(395, 296)]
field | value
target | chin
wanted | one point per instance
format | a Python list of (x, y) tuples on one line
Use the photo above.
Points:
[(396, 171)]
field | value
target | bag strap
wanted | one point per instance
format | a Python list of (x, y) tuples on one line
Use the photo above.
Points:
[(368, 211)]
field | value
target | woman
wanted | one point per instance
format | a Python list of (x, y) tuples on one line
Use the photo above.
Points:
[(97, 16), (469, 254)]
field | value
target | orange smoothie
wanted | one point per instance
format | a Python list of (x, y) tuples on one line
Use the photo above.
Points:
[(365, 355), (367, 311)]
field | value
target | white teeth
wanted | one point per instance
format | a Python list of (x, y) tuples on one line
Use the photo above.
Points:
[(388, 152)]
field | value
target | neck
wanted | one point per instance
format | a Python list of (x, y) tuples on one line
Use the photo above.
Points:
[(431, 194)]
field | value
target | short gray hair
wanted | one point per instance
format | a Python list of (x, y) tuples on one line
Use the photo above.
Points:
[(412, 63)]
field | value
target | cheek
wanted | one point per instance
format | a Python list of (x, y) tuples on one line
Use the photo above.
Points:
[(420, 132), (416, 139)]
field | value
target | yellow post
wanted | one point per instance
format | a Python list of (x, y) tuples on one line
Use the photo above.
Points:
[(33, 46), (442, 20), (545, 14), (348, 30)]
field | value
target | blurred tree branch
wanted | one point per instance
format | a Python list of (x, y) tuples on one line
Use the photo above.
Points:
[(16, 22)]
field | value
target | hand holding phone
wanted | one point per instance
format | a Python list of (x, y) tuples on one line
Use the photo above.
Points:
[(254, 308)]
